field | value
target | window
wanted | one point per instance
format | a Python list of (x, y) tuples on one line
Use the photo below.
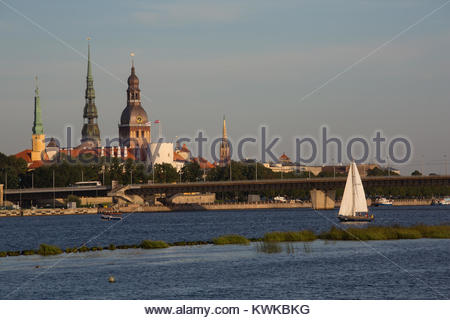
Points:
[(137, 134)]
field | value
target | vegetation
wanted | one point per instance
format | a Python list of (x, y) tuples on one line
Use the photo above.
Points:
[(166, 173), (289, 236), (387, 233), (270, 242), (231, 239), (152, 244), (269, 247), (191, 172), (48, 250)]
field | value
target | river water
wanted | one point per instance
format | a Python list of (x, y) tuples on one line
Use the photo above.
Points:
[(402, 269)]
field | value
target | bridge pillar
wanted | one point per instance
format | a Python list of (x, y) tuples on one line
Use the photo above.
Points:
[(323, 199), (1, 195)]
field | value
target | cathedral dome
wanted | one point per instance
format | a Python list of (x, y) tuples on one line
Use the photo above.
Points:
[(133, 115)]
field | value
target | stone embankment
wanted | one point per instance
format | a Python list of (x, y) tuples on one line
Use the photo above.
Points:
[(193, 207)]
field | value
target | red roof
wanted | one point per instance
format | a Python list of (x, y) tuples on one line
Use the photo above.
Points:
[(178, 157), (284, 157), (184, 148), (203, 163)]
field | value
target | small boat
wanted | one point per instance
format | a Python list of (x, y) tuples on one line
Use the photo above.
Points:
[(354, 203), (110, 214), (110, 217), (382, 202)]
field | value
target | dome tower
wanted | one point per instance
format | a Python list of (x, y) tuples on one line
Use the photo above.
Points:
[(134, 127)]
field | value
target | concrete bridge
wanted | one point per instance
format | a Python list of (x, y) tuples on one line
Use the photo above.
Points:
[(322, 189)]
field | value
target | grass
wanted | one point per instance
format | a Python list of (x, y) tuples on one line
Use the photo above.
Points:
[(152, 244), (48, 250), (231, 239), (387, 233), (289, 236)]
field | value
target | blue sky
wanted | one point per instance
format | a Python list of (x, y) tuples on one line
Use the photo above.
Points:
[(252, 60)]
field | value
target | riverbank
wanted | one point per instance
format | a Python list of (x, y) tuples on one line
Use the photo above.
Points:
[(193, 207)]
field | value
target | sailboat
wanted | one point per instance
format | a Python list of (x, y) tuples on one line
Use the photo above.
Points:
[(354, 203)]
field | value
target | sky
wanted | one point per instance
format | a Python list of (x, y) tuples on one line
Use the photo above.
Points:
[(355, 66)]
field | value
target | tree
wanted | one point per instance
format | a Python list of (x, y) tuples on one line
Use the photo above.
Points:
[(191, 172), (165, 173)]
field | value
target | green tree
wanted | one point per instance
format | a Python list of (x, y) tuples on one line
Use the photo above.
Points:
[(191, 172), (165, 173)]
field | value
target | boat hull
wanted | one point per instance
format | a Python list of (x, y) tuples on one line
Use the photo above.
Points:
[(356, 218), (110, 217)]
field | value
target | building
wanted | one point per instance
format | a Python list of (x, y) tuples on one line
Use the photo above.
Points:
[(90, 134), (162, 152), (225, 158), (38, 137), (134, 127)]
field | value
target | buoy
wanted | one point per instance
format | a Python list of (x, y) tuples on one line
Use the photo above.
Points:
[(111, 279), (37, 267)]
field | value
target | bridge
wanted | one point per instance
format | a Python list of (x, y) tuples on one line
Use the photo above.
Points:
[(285, 184), (32, 194), (326, 185)]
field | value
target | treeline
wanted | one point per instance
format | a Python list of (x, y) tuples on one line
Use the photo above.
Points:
[(66, 173)]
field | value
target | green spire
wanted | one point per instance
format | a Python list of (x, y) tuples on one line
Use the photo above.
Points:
[(90, 131), (38, 128), (90, 92)]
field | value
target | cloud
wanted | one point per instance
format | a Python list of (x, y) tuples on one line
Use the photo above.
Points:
[(181, 13)]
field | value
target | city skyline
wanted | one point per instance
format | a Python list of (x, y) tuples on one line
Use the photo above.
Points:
[(401, 89)]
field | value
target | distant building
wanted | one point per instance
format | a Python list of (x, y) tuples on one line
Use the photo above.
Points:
[(134, 127), (90, 132), (225, 158), (162, 153), (38, 138)]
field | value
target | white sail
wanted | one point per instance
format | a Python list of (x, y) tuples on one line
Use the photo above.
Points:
[(360, 197), (354, 199)]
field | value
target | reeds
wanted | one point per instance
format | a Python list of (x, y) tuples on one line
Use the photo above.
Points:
[(231, 239), (289, 236), (48, 250), (387, 233), (152, 244)]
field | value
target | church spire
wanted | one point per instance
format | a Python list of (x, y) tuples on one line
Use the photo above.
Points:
[(225, 153), (224, 129), (90, 131), (38, 128)]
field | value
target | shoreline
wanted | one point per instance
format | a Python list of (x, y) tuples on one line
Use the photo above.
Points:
[(191, 207)]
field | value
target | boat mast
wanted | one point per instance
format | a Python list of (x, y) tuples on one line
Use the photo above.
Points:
[(353, 188)]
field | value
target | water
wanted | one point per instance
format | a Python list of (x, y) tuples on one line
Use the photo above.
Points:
[(401, 269), (19, 233)]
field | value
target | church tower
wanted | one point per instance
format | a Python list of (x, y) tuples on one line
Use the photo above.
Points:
[(224, 147), (38, 140), (134, 127), (90, 132)]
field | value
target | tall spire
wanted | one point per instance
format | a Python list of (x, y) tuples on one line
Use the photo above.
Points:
[(38, 128), (90, 131), (224, 147), (224, 129)]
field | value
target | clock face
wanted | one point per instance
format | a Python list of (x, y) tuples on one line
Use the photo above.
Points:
[(139, 119)]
